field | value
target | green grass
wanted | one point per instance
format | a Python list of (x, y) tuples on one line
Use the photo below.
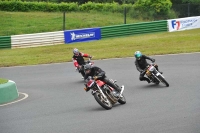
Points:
[(150, 44), (15, 23), (36, 22), (3, 81)]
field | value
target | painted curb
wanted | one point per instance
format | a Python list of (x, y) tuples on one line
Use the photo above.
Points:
[(8, 92)]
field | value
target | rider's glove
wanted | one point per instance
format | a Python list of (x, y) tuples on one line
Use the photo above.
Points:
[(79, 66), (86, 89), (153, 60), (95, 77)]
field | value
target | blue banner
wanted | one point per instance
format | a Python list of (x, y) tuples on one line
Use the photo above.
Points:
[(82, 35)]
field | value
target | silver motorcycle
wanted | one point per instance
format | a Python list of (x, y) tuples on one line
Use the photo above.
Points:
[(154, 75)]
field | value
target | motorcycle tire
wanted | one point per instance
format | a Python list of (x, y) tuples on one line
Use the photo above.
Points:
[(122, 99), (163, 81), (104, 103)]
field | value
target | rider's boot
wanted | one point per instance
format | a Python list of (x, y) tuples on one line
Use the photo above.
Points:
[(83, 74), (117, 93), (148, 80), (160, 72), (145, 79), (117, 90)]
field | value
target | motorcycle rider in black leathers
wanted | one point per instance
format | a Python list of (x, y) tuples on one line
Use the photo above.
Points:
[(98, 73), (141, 64)]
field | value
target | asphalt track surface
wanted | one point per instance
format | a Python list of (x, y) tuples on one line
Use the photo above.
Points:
[(57, 102)]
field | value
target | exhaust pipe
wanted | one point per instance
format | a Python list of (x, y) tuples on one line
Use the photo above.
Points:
[(122, 89)]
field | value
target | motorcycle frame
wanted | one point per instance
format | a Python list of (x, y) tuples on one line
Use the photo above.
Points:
[(99, 84), (99, 89), (153, 72)]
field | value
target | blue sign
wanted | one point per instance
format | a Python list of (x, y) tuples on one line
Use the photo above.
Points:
[(82, 35)]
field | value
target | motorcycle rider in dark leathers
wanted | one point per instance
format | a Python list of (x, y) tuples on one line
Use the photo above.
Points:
[(78, 60), (141, 64), (98, 73)]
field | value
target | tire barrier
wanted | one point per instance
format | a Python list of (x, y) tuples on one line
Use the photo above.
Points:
[(8, 92)]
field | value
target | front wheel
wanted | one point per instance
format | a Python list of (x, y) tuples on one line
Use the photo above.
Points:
[(122, 99), (163, 80), (104, 102)]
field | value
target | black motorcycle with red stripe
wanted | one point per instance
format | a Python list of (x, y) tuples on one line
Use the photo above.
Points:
[(103, 93)]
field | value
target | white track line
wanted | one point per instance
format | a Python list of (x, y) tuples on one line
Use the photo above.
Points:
[(25, 96)]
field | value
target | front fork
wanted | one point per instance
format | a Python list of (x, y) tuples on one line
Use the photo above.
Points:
[(94, 91), (156, 74)]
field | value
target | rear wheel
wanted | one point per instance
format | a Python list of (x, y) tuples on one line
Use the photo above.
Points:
[(104, 102), (163, 80)]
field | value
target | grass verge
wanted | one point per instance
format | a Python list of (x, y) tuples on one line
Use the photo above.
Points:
[(15, 23), (150, 44), (3, 81)]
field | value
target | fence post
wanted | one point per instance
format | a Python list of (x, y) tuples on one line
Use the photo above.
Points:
[(188, 9), (124, 15), (64, 20)]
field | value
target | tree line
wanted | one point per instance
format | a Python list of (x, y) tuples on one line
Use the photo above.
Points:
[(142, 9)]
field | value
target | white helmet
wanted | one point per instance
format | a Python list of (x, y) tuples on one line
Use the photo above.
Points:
[(75, 51)]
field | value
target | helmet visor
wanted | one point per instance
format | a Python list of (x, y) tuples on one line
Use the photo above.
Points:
[(138, 56), (76, 53)]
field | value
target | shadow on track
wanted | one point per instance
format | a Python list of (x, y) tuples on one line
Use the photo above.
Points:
[(117, 105), (152, 86)]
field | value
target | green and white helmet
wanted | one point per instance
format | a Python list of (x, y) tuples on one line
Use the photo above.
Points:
[(138, 55)]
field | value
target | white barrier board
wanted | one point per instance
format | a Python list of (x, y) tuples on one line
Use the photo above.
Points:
[(183, 23)]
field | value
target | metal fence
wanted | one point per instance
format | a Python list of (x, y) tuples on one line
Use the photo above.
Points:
[(186, 10), (58, 22)]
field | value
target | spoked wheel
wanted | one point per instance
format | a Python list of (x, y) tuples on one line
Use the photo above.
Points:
[(163, 81), (122, 99), (104, 102)]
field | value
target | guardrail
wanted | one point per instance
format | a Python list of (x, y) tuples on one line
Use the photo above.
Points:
[(54, 38), (5, 42), (133, 29), (38, 39)]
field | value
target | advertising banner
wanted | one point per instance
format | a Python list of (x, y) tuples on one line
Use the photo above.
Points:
[(183, 23), (82, 35)]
